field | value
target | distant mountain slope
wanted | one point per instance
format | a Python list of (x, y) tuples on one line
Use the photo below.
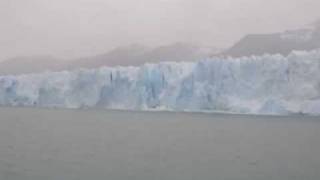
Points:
[(277, 43), (123, 56), (137, 55), (21, 65)]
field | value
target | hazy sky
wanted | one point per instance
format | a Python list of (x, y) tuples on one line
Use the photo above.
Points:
[(74, 28)]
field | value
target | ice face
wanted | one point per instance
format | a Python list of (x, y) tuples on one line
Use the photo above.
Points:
[(269, 84)]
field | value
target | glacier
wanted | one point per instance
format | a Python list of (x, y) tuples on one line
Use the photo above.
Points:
[(268, 84)]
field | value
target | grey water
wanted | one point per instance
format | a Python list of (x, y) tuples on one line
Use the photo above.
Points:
[(43, 144)]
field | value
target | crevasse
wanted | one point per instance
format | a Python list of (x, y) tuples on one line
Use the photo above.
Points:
[(269, 84)]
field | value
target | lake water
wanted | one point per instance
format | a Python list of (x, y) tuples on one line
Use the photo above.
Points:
[(42, 144)]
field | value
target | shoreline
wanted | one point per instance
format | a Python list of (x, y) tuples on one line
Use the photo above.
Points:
[(156, 112)]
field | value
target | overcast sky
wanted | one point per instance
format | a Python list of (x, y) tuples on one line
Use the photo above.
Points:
[(74, 28)]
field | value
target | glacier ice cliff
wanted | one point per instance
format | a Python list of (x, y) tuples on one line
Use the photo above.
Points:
[(268, 84)]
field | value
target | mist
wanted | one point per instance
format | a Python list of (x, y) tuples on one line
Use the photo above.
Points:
[(77, 28)]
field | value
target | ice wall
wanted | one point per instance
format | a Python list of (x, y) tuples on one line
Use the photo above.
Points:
[(269, 84)]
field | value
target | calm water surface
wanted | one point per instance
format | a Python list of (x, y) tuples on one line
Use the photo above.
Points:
[(40, 144)]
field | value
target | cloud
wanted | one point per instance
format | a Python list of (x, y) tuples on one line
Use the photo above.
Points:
[(73, 28)]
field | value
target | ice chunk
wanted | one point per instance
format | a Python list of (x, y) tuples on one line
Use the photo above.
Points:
[(273, 107)]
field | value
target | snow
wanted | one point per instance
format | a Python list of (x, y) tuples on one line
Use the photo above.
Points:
[(301, 35), (268, 84)]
